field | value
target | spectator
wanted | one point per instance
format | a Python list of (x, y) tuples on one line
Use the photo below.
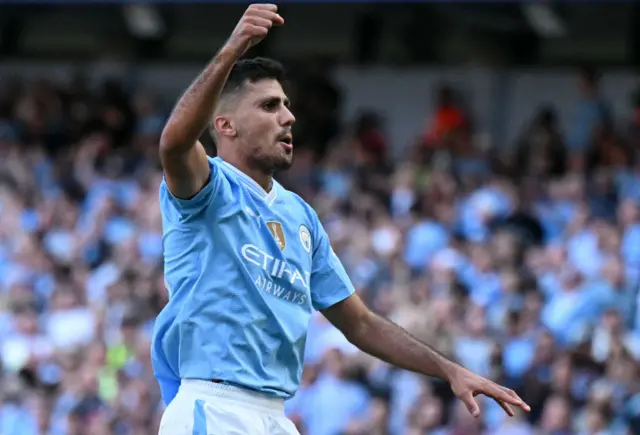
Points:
[(541, 151), (589, 114), (449, 125)]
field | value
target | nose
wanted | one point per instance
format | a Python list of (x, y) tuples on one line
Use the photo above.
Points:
[(287, 119)]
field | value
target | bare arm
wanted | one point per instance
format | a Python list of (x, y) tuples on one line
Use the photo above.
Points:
[(391, 343), (386, 340), (183, 157)]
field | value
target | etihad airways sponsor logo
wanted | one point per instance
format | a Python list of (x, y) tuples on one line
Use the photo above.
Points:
[(280, 269)]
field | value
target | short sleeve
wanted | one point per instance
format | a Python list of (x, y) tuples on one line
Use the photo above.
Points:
[(329, 281), (188, 207)]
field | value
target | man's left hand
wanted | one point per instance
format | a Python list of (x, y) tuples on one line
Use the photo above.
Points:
[(466, 385)]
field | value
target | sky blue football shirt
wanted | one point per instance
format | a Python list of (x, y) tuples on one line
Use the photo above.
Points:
[(244, 270)]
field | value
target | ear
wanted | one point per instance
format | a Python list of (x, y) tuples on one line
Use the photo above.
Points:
[(224, 126)]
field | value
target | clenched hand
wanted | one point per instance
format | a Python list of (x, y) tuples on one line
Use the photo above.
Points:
[(253, 27)]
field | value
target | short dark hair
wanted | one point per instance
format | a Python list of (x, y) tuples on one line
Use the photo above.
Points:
[(253, 70)]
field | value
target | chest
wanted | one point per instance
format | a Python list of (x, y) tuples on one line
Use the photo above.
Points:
[(274, 239)]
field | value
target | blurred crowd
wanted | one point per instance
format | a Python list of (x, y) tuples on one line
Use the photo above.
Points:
[(522, 262)]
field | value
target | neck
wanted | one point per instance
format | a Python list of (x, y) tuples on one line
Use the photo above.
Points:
[(264, 180)]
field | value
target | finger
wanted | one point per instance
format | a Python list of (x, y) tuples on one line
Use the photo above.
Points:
[(268, 15), (264, 6), (259, 31), (260, 22), (507, 408), (513, 394), (498, 393), (471, 404)]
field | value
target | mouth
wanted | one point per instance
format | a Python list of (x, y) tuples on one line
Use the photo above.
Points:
[(286, 141)]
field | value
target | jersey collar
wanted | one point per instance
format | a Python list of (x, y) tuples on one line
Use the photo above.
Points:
[(253, 186)]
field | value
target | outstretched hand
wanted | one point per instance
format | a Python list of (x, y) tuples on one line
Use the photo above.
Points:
[(466, 385), (253, 27)]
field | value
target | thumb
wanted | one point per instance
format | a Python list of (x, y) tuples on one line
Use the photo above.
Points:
[(471, 404)]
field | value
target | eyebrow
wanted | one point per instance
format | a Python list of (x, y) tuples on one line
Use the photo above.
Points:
[(285, 101)]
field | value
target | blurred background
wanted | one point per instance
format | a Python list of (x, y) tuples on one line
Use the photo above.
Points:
[(476, 166)]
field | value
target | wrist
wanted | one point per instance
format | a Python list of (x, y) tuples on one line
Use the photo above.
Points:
[(450, 370), (228, 53), (232, 51)]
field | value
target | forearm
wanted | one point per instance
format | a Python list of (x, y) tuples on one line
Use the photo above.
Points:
[(195, 108), (391, 343)]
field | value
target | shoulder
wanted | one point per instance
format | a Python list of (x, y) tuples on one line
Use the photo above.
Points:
[(216, 164), (214, 168), (296, 202), (214, 194), (311, 227), (297, 199)]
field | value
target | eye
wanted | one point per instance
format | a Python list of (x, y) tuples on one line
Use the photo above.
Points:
[(271, 105)]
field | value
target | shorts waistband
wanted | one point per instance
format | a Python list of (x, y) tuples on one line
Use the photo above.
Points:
[(231, 392)]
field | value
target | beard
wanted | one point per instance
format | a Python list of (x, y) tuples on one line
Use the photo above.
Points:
[(265, 156), (273, 161)]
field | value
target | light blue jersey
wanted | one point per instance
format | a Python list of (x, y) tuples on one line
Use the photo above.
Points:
[(244, 270)]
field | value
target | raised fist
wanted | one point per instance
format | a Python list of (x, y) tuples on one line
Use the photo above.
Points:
[(253, 27)]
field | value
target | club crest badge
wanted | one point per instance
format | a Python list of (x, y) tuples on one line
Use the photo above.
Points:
[(305, 238)]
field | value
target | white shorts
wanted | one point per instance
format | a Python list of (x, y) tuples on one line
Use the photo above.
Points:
[(207, 408)]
